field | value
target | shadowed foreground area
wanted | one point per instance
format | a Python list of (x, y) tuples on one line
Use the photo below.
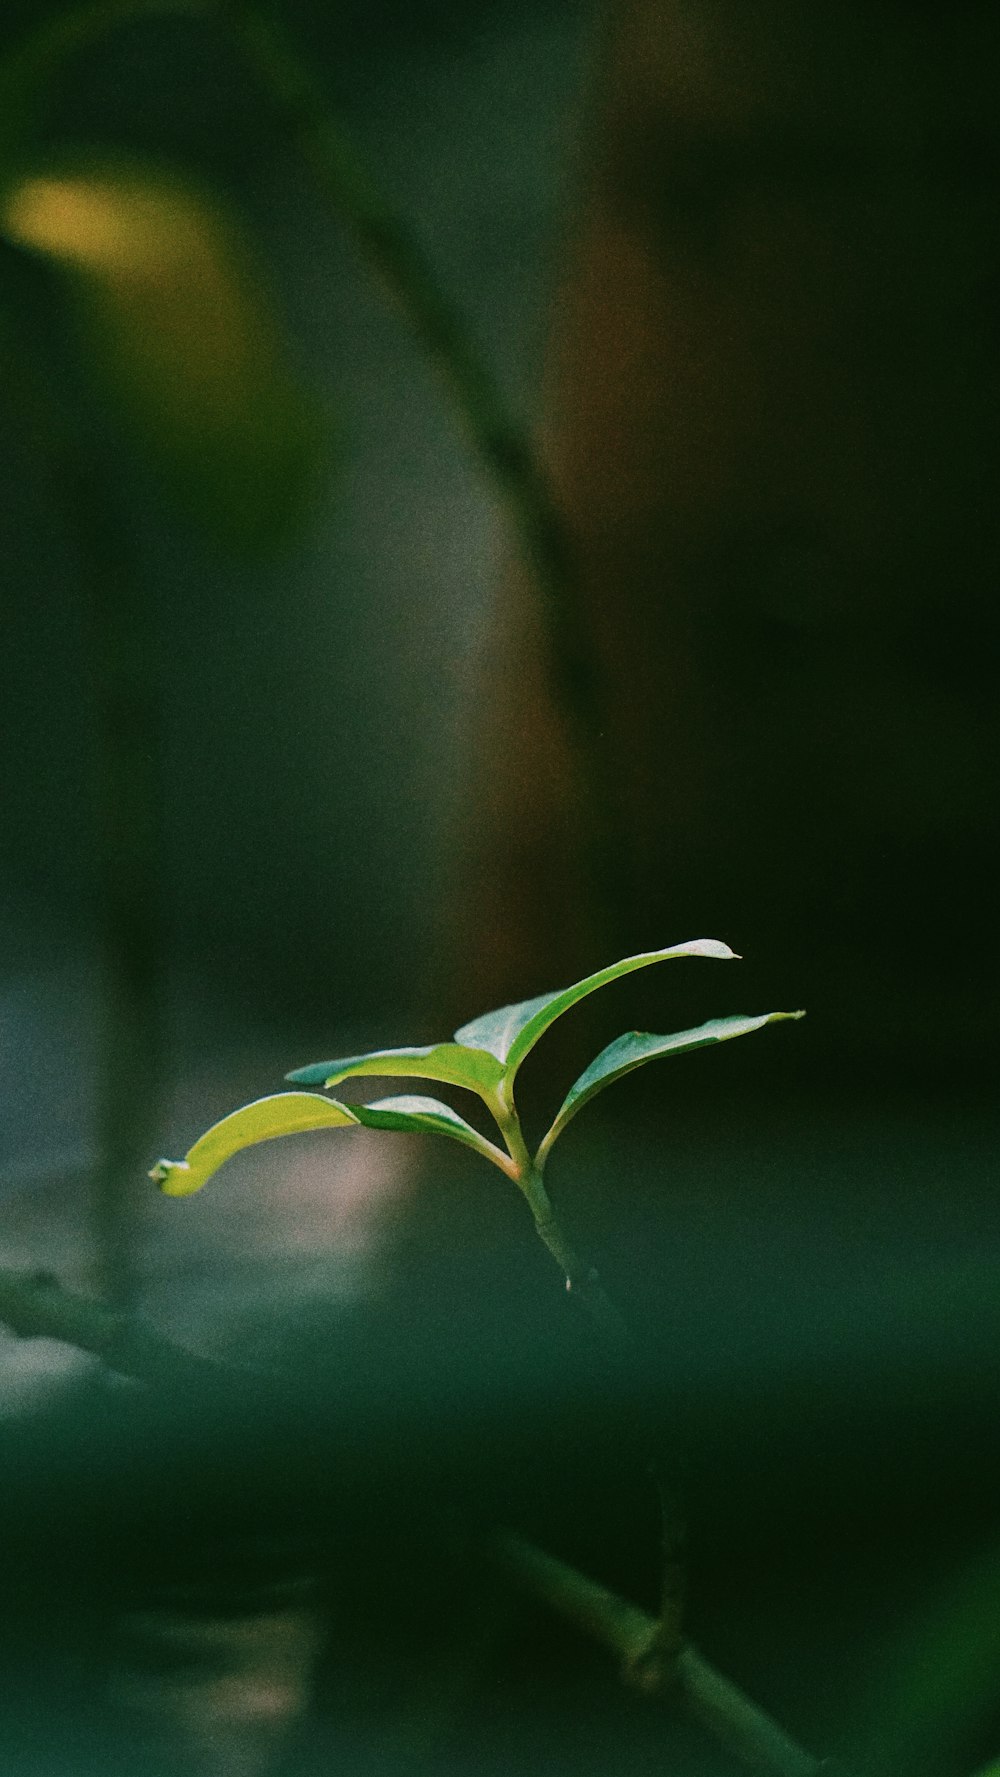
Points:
[(294, 765), (201, 1568)]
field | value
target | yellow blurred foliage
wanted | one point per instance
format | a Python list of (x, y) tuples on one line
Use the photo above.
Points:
[(178, 322)]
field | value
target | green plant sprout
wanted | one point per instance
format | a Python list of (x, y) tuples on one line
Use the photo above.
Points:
[(483, 1057)]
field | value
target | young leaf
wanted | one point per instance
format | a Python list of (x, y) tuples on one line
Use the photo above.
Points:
[(430, 1116), (284, 1113), (496, 1031), (634, 1049), (451, 1063), (513, 1030)]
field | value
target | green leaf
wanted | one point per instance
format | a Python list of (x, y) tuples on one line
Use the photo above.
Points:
[(283, 1113), (496, 1031), (451, 1063), (510, 1032), (635, 1048), (429, 1116), (178, 329)]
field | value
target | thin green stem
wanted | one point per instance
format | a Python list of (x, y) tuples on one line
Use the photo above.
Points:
[(506, 1162), (622, 1628), (584, 1285), (545, 1147), (583, 1281), (504, 1111)]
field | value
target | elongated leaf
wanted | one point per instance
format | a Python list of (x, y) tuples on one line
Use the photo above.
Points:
[(451, 1063), (429, 1116), (510, 1032), (283, 1113), (635, 1048)]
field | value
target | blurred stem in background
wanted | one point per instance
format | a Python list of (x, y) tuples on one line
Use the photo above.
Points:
[(499, 439), (124, 682), (128, 798)]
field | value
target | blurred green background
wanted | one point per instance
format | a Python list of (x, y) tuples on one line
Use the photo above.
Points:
[(286, 773)]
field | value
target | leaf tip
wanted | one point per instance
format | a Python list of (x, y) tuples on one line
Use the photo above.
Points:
[(173, 1178)]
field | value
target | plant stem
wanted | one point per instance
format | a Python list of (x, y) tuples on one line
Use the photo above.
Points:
[(622, 1628), (35, 1305), (585, 1286), (633, 1635), (583, 1281)]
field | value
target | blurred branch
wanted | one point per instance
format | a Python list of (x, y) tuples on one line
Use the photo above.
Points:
[(499, 440), (387, 241), (633, 1636), (622, 1628), (584, 1285), (35, 1305)]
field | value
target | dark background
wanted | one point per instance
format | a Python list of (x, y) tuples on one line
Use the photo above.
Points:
[(737, 270)]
